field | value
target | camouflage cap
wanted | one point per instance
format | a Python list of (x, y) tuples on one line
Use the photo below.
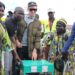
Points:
[(32, 4)]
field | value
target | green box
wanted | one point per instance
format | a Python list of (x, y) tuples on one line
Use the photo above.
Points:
[(32, 66)]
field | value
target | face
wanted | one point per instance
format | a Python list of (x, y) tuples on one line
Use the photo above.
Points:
[(51, 15), (32, 10), (1, 12), (19, 14), (60, 27)]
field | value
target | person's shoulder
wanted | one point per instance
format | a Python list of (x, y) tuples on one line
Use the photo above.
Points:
[(37, 21), (8, 21), (44, 22), (3, 19), (22, 23)]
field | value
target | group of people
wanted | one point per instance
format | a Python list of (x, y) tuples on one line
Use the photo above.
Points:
[(22, 41), (25, 37)]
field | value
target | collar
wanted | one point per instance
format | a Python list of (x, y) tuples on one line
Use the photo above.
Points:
[(29, 17)]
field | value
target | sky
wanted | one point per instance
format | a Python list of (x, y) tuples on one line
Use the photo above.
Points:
[(63, 8)]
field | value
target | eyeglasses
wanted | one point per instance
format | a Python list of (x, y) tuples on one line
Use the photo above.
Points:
[(32, 9)]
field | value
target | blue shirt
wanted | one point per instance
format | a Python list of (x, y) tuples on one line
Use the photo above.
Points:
[(70, 39), (11, 26)]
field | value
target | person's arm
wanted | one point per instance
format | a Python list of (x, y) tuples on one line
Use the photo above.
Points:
[(69, 41), (12, 35), (14, 42), (37, 39)]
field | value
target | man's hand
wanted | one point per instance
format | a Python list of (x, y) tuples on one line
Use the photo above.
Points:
[(34, 54), (18, 58), (18, 44)]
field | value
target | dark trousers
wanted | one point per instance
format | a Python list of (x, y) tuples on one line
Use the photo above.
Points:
[(23, 54), (13, 64)]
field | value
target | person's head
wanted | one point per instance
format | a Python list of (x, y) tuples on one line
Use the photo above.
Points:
[(18, 13), (10, 13), (2, 8), (32, 8), (51, 13), (61, 26)]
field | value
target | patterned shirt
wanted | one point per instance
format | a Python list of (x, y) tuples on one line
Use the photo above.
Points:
[(28, 20)]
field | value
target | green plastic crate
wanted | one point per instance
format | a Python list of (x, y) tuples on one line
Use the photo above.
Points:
[(32, 66)]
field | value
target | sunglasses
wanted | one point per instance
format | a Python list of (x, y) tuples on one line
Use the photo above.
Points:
[(32, 9)]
